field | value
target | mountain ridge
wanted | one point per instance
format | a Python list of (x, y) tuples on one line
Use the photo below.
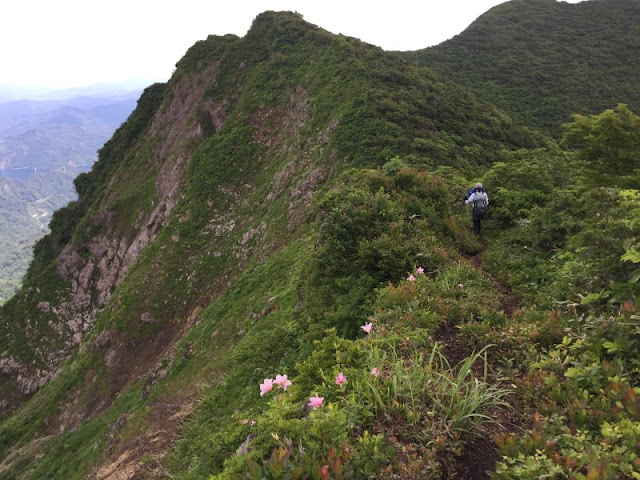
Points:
[(118, 249), (542, 61), (279, 185)]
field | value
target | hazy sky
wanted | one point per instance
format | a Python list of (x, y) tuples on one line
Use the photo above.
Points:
[(66, 43)]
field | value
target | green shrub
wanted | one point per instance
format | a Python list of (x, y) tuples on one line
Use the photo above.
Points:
[(375, 228), (589, 408)]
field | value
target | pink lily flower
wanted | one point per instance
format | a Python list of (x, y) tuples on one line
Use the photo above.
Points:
[(420, 271), (375, 372), (340, 379), (315, 401), (367, 327), (282, 381), (411, 278), (266, 387)]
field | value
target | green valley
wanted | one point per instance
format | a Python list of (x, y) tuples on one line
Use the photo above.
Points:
[(44, 144)]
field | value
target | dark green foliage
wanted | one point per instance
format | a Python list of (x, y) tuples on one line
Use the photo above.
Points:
[(588, 410), (91, 185), (571, 227), (609, 141), (201, 53), (525, 181), (374, 230), (542, 61), (407, 111), (379, 104), (570, 247)]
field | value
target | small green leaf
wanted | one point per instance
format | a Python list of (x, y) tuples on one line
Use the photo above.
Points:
[(612, 347), (573, 373)]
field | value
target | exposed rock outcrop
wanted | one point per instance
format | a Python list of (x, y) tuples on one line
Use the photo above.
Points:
[(95, 267)]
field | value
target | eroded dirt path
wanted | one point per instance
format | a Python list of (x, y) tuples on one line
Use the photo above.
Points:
[(510, 303), (478, 460)]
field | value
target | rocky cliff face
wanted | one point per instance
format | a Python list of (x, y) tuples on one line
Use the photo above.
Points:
[(97, 266), (94, 267)]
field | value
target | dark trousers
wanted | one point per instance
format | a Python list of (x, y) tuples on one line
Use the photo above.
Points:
[(476, 224)]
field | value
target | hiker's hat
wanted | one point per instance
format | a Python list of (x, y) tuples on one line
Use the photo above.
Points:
[(478, 185)]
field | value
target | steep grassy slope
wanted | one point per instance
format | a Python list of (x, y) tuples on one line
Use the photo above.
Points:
[(192, 226), (542, 61), (258, 125), (281, 190)]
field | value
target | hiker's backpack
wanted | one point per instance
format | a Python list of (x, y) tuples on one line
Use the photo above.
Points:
[(479, 206)]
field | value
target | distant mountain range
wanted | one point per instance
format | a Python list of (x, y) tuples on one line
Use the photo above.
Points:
[(10, 93), (38, 135), (44, 144)]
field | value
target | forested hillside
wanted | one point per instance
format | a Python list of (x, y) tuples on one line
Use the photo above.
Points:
[(542, 61), (25, 210), (270, 273)]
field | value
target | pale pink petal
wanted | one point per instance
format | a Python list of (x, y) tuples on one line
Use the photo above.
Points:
[(315, 401), (282, 382), (340, 379), (266, 387), (375, 372), (367, 327), (420, 271), (411, 278)]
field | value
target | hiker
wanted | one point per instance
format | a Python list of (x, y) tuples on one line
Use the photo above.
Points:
[(479, 201)]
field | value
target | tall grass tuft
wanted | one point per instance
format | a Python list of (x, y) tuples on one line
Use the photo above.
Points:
[(426, 394)]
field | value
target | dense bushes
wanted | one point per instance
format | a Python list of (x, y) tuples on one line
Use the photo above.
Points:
[(571, 225), (543, 61), (574, 252), (375, 228), (388, 401), (588, 419)]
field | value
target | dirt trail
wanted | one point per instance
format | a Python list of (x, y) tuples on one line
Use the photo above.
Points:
[(455, 348), (510, 303), (479, 458)]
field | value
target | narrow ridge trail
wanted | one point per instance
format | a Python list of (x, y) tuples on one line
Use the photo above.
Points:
[(478, 460), (455, 349)]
